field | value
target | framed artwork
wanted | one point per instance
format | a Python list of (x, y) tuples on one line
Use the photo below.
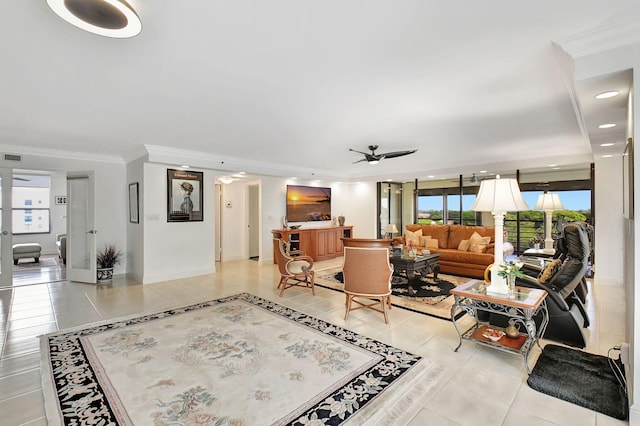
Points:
[(61, 199), (134, 203), (627, 180), (184, 196)]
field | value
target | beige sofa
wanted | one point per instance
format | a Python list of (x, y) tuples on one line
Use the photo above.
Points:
[(448, 237)]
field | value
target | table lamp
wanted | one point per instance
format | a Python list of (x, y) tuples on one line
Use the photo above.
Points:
[(499, 196), (391, 229), (548, 202)]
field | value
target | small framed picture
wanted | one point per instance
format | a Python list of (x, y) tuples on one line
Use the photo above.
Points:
[(184, 196), (134, 203), (61, 199)]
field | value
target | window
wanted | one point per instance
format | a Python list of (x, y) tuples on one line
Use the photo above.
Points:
[(30, 209)]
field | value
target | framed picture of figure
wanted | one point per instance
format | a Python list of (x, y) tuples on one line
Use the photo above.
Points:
[(184, 196), (134, 203)]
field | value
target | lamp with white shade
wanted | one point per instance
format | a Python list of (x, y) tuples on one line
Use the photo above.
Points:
[(391, 229), (499, 196), (548, 202)]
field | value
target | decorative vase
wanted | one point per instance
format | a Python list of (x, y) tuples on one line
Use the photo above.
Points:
[(104, 274), (341, 220), (536, 246), (511, 283)]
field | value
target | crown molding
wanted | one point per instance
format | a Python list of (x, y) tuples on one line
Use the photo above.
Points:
[(56, 153), (196, 159), (621, 33)]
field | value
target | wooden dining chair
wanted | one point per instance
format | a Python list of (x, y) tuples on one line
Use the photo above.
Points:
[(367, 279)]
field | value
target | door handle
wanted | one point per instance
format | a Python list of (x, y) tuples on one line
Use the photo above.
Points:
[(93, 231)]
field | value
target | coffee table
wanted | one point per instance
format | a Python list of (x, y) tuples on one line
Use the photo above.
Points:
[(424, 265)]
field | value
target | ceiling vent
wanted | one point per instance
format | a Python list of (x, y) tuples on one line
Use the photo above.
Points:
[(13, 157)]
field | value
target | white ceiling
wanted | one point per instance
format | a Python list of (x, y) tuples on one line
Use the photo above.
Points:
[(290, 85)]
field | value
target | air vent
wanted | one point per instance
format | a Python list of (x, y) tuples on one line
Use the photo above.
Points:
[(12, 157)]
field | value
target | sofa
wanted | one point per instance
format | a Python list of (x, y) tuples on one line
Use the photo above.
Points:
[(451, 242)]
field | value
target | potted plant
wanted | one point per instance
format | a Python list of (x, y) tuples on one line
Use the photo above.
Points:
[(535, 241), (106, 259)]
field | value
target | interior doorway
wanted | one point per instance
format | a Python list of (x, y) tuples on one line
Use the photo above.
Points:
[(218, 225)]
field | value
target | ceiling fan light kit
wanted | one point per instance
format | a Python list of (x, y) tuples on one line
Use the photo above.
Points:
[(373, 158), (109, 18)]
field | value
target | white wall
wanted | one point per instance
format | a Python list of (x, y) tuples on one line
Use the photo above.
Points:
[(135, 231), (174, 250), (356, 201), (609, 224)]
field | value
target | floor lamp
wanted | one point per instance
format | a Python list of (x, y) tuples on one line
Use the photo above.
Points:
[(548, 202), (499, 196)]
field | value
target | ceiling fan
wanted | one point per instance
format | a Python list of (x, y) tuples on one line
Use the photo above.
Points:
[(373, 158)]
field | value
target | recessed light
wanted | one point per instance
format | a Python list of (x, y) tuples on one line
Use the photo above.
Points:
[(109, 18), (606, 144), (431, 176), (606, 126), (552, 165), (556, 168), (606, 95), (185, 167), (483, 171), (607, 156)]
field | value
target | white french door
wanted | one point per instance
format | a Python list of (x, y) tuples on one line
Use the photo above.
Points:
[(6, 236), (81, 233)]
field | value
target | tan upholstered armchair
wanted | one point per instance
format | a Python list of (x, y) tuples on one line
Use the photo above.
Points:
[(61, 246), (294, 271), (367, 275)]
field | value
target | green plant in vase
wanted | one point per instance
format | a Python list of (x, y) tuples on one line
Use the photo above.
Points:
[(106, 259), (510, 271)]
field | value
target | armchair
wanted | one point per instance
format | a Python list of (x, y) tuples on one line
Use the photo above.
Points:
[(61, 246), (567, 314), (294, 270), (367, 275)]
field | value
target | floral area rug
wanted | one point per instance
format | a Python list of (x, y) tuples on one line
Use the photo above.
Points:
[(431, 296), (239, 360)]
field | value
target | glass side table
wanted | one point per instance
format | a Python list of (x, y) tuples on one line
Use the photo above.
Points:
[(473, 297)]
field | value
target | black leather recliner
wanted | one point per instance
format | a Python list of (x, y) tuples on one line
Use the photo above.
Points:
[(567, 314)]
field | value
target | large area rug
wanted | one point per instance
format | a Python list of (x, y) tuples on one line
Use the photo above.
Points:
[(432, 297), (239, 360), (581, 378)]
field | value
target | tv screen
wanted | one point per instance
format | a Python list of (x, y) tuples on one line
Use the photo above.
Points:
[(308, 203)]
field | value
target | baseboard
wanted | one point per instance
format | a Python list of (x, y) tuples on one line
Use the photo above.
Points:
[(634, 415)]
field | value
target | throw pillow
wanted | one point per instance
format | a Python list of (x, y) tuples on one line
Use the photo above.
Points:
[(414, 237), (464, 245), (549, 271), (479, 245), (423, 240), (431, 243)]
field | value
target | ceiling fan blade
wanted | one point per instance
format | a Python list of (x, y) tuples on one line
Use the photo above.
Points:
[(359, 152), (360, 161), (398, 153), (21, 178)]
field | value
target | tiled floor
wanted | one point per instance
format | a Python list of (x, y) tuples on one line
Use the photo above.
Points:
[(480, 387)]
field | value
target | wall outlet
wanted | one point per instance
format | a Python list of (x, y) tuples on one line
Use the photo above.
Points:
[(624, 353)]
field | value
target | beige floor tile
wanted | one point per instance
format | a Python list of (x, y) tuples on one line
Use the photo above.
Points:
[(490, 385)]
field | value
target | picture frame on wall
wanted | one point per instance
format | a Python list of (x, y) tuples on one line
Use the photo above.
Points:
[(134, 203), (184, 196), (627, 180)]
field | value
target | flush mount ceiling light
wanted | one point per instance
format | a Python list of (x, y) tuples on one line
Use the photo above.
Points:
[(109, 18), (606, 126), (606, 95), (606, 144)]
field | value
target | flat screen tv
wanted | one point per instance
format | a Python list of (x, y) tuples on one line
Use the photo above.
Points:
[(308, 203)]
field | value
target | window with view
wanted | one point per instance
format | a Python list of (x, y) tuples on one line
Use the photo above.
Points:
[(31, 205)]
